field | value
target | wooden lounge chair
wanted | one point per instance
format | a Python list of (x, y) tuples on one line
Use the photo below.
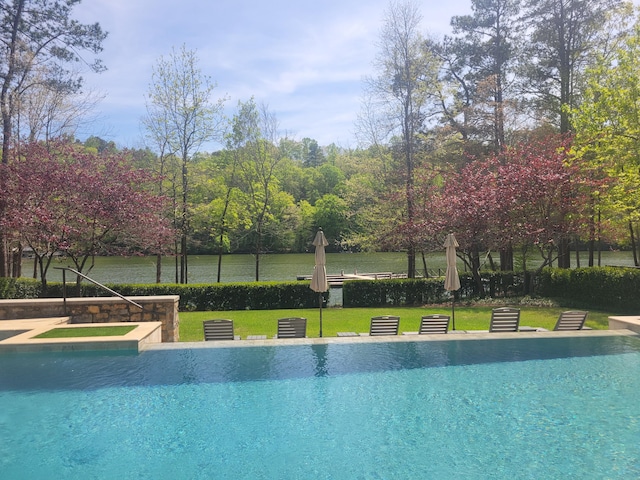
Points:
[(571, 320), (219, 329), (384, 325), (505, 319), (292, 327), (434, 324)]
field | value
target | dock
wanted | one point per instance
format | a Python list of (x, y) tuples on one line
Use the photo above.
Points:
[(336, 281)]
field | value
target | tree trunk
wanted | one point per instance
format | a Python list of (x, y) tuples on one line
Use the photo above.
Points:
[(159, 268), (564, 254), (506, 259), (424, 265), (183, 260), (411, 262), (634, 248)]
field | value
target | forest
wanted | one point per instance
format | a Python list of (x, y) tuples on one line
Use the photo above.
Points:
[(518, 133)]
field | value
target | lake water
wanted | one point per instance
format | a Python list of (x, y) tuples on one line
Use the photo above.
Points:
[(273, 267)]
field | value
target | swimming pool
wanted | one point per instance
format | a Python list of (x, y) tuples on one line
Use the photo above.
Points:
[(543, 408)]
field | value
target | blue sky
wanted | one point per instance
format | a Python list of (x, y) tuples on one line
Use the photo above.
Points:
[(305, 60)]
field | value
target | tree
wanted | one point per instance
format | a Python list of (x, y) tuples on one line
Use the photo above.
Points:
[(543, 195), (38, 35), (566, 38), (480, 60), (38, 38), (49, 112), (401, 93), (331, 216), (66, 199), (256, 139), (466, 207), (180, 112), (608, 131)]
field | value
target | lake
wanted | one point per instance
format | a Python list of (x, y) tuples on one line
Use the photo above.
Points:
[(273, 267)]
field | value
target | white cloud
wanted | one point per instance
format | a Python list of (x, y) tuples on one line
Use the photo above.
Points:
[(306, 60)]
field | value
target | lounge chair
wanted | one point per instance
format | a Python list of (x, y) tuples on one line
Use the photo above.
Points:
[(571, 320), (292, 327), (384, 325), (505, 319), (434, 324), (219, 329)]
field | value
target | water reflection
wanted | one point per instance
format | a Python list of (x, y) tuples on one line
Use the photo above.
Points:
[(215, 365)]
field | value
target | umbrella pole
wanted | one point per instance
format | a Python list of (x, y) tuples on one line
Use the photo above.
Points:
[(320, 297), (453, 311)]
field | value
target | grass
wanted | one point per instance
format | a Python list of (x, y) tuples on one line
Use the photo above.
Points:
[(264, 322), (68, 332)]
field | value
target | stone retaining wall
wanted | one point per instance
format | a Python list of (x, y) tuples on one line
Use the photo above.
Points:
[(100, 310)]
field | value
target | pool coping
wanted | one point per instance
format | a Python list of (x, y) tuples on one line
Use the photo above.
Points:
[(449, 337), (148, 336), (141, 337)]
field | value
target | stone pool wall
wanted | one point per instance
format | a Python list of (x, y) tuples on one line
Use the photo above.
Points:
[(100, 310)]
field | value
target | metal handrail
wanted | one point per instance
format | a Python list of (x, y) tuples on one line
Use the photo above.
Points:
[(64, 287)]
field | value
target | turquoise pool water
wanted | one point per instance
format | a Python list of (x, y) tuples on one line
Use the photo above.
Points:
[(530, 409)]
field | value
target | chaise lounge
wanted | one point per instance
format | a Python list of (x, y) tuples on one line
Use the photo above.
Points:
[(571, 320), (505, 319), (430, 324), (219, 329), (292, 327), (384, 325)]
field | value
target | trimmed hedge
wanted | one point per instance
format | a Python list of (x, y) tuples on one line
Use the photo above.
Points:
[(610, 287), (396, 292), (207, 297)]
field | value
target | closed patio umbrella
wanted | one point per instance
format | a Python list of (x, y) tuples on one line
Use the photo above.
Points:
[(451, 279), (319, 279)]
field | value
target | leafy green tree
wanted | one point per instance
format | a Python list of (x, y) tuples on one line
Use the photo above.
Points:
[(306, 228), (181, 113), (256, 139), (332, 215), (608, 132)]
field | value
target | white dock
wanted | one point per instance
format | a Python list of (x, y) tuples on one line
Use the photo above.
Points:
[(338, 280)]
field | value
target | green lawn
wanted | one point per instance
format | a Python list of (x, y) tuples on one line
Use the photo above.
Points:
[(72, 332), (264, 322)]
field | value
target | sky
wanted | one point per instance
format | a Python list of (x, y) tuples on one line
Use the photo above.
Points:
[(305, 60)]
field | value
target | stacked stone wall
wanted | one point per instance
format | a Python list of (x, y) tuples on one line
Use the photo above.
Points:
[(100, 310)]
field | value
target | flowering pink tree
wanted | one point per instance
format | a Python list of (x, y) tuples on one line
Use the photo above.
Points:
[(528, 195), (65, 199), (467, 207), (544, 195)]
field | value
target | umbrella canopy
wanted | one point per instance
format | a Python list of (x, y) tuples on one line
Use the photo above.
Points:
[(319, 278), (452, 279)]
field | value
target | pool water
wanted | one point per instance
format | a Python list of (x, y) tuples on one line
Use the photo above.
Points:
[(530, 409)]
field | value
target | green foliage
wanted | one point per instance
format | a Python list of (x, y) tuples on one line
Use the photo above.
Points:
[(608, 287), (205, 297), (375, 293), (20, 288)]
